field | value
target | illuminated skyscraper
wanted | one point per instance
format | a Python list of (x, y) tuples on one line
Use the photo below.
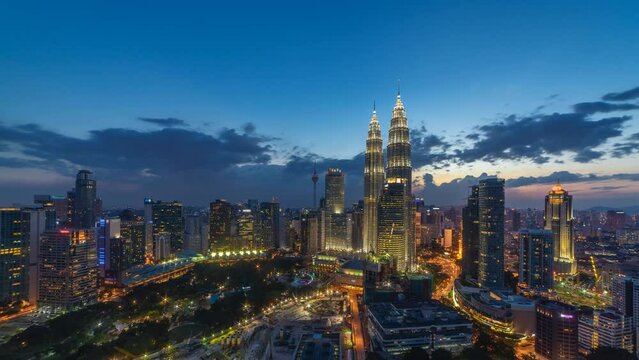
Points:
[(333, 214), (373, 182), (84, 206), (392, 219), (68, 269), (246, 228), (14, 251), (491, 233), (399, 167), (470, 235), (558, 219), (221, 219), (536, 259), (163, 218), (556, 331), (334, 191), (398, 149), (269, 225)]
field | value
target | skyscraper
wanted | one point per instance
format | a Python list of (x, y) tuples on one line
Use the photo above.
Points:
[(373, 182), (392, 226), (556, 331), (558, 218), (491, 233), (196, 234), (269, 224), (163, 218), (246, 228), (398, 149), (334, 191), (84, 216), (399, 167), (68, 269), (536, 259), (14, 251), (333, 212), (221, 219), (470, 235)]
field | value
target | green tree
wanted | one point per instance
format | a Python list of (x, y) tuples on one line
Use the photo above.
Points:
[(441, 354), (607, 353), (416, 353)]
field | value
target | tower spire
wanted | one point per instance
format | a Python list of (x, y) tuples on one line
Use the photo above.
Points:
[(398, 88)]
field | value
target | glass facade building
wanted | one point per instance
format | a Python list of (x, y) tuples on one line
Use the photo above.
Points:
[(491, 233)]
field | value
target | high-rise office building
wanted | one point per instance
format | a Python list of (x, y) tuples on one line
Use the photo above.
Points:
[(558, 218), (399, 166), (398, 148), (470, 235), (269, 225), (222, 215), (334, 191), (14, 252), (84, 202), (163, 218), (68, 269), (491, 233), (246, 228), (392, 217), (133, 231), (196, 233), (625, 296), (107, 231), (334, 216), (536, 259), (356, 226), (556, 331), (40, 220), (373, 182), (605, 328)]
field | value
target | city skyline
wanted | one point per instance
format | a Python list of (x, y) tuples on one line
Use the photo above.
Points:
[(479, 104)]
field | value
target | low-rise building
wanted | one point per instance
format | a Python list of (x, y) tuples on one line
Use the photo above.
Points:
[(396, 327)]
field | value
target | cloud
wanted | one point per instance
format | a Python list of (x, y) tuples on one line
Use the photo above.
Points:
[(537, 137), (428, 149), (119, 151), (622, 96), (164, 122), (602, 107), (455, 192)]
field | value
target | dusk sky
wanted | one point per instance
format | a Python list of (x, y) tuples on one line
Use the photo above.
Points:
[(202, 100)]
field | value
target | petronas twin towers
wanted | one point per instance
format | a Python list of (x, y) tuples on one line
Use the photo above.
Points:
[(388, 203)]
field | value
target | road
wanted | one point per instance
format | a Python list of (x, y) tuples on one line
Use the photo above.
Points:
[(450, 269), (356, 327)]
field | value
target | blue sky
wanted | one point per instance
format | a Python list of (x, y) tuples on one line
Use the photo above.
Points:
[(305, 74)]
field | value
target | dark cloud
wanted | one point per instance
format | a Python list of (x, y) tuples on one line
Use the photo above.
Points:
[(164, 122), (428, 149), (622, 96), (128, 151), (602, 107), (538, 137)]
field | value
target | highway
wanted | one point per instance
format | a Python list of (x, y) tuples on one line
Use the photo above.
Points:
[(356, 327), (450, 269)]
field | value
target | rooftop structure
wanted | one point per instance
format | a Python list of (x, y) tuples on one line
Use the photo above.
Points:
[(396, 327)]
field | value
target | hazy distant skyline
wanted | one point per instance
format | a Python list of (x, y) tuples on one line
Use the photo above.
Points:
[(237, 100)]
